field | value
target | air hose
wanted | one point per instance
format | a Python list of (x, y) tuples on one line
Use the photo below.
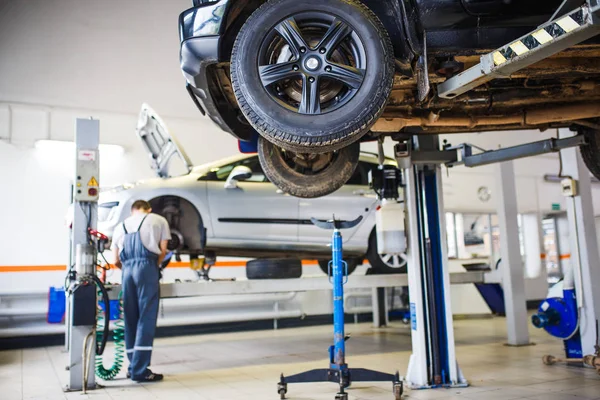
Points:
[(102, 372)]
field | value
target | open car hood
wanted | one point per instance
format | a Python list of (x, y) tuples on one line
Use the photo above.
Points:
[(159, 142)]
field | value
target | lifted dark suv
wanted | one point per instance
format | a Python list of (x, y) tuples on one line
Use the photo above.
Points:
[(310, 79)]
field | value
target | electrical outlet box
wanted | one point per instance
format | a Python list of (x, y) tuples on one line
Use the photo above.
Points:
[(87, 172), (569, 187)]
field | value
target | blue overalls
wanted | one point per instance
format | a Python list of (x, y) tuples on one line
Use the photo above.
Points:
[(140, 301)]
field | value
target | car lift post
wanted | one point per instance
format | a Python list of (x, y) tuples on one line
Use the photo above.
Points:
[(585, 259), (81, 321), (433, 361)]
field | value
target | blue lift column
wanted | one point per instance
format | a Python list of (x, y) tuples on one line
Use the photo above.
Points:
[(433, 362)]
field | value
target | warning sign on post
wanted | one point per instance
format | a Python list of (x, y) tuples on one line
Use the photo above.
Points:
[(93, 182)]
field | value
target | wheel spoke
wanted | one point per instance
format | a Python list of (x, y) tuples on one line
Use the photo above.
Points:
[(311, 101), (334, 36), (289, 30), (396, 262), (386, 258), (350, 76), (277, 72)]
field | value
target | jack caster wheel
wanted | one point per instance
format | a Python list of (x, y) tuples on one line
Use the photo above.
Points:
[(282, 389), (341, 396), (549, 360), (398, 390)]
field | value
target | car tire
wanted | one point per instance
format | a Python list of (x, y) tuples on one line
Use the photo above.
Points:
[(293, 174), (591, 152), (352, 264), (274, 268), (379, 263), (337, 121)]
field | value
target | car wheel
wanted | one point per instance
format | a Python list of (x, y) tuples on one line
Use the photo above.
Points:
[(384, 263), (352, 264), (274, 268), (313, 75), (307, 175), (591, 152)]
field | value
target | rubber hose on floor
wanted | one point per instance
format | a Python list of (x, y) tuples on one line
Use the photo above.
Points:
[(119, 338)]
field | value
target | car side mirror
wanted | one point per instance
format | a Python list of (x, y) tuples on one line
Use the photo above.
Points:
[(239, 173)]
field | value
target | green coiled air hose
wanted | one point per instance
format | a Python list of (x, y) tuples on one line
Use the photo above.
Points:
[(119, 339)]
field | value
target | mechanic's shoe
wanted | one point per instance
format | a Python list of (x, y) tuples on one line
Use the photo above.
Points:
[(128, 375), (150, 377)]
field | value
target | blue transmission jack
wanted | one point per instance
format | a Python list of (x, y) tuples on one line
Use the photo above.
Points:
[(559, 317), (338, 371)]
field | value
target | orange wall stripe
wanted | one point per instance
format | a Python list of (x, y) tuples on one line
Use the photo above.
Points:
[(32, 268), (175, 264)]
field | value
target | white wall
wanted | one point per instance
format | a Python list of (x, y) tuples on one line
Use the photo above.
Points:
[(107, 55), (36, 182)]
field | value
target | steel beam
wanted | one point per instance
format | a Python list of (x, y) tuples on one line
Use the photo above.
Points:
[(551, 145), (307, 284)]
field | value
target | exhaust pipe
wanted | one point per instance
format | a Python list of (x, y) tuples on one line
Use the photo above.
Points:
[(527, 118)]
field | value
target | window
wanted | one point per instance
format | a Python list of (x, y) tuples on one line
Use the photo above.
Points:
[(221, 173), (451, 236)]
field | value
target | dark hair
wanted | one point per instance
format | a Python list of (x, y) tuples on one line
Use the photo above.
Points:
[(141, 205)]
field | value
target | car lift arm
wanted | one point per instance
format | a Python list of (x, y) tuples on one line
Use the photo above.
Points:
[(550, 38), (462, 154)]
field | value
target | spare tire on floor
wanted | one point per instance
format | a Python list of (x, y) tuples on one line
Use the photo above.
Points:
[(274, 268)]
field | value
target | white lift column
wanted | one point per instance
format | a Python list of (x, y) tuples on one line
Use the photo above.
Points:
[(433, 362), (513, 271), (585, 259), (81, 321)]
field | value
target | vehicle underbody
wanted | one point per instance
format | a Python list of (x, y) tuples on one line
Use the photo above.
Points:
[(552, 93)]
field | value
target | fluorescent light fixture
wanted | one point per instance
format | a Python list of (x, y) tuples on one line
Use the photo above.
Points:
[(64, 145)]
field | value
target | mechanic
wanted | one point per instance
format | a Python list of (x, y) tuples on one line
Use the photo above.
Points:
[(140, 245)]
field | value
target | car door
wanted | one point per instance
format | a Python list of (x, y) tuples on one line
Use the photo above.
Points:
[(352, 200), (254, 210)]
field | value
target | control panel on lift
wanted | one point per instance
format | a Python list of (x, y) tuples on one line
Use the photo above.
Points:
[(87, 172)]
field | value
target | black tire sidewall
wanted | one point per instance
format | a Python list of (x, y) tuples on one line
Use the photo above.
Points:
[(323, 183), (273, 116), (276, 268), (590, 153)]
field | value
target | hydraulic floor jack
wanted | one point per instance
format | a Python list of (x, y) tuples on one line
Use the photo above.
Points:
[(338, 371)]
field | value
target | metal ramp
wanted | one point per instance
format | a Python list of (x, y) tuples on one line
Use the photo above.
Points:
[(551, 38)]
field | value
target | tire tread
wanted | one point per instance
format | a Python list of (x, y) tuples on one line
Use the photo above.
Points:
[(353, 130)]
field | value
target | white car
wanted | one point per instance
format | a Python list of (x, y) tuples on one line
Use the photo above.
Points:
[(230, 208)]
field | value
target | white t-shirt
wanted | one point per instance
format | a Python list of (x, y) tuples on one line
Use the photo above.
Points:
[(154, 230)]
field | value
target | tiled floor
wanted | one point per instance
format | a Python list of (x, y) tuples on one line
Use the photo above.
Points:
[(247, 366)]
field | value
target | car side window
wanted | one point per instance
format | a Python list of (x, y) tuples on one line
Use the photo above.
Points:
[(221, 173)]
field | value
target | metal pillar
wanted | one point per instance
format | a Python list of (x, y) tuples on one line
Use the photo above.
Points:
[(585, 259), (513, 271), (81, 322), (380, 307), (433, 362)]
